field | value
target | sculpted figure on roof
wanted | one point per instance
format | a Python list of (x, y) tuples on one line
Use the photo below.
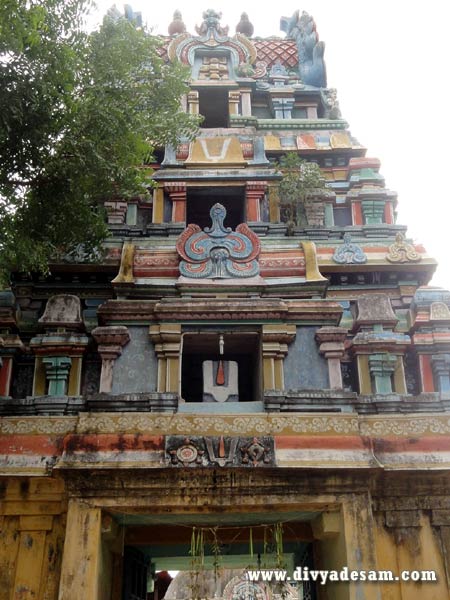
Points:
[(211, 20), (310, 50)]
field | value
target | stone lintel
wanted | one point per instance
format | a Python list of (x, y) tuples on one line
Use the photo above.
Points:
[(327, 525)]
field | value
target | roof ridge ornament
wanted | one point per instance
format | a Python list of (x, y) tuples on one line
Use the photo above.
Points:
[(245, 27), (177, 25), (211, 24)]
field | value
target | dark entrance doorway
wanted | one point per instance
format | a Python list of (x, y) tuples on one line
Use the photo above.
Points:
[(184, 562)]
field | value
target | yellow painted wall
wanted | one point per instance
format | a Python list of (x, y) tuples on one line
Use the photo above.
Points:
[(32, 529), (42, 558), (408, 549)]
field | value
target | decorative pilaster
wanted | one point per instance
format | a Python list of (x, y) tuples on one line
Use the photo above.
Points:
[(254, 194), (373, 211), (158, 205), (57, 369), (372, 204), (331, 340), (80, 567), (193, 102), (441, 368), (33, 531), (166, 338), (282, 107), (275, 340), (382, 368), (378, 349), (177, 194), (110, 342), (234, 99), (10, 346), (246, 101), (60, 349), (430, 333), (10, 342)]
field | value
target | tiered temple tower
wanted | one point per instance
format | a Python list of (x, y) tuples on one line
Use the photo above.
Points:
[(220, 370)]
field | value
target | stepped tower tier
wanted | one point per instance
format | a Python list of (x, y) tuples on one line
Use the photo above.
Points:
[(253, 372)]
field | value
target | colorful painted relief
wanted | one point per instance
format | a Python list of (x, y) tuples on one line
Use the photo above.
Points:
[(401, 251), (217, 252), (349, 253)]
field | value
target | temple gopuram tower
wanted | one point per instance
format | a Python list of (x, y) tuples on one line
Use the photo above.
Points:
[(234, 385)]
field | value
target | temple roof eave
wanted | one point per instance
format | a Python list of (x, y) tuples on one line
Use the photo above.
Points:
[(215, 174)]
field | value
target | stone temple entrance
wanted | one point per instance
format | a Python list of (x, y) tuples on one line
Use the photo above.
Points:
[(186, 562)]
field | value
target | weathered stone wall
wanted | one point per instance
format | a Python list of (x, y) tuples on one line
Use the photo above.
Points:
[(304, 367), (136, 369)]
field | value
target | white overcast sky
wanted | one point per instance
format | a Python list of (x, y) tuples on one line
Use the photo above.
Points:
[(390, 62)]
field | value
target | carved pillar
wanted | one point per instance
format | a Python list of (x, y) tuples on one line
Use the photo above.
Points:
[(430, 317), (389, 216), (379, 350), (382, 367), (331, 340), (10, 345), (60, 349), (57, 369), (357, 218), (166, 338), (31, 556), (234, 99), (158, 205), (82, 552), (254, 193), (275, 340), (282, 107), (441, 368), (177, 194), (360, 545), (373, 211), (110, 342), (367, 194), (274, 205), (193, 103), (246, 101)]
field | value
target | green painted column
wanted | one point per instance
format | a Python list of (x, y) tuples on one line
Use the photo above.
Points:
[(57, 369), (373, 211), (441, 370), (329, 218), (382, 367)]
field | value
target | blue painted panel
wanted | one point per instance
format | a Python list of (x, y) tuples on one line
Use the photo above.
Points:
[(136, 369), (304, 367)]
